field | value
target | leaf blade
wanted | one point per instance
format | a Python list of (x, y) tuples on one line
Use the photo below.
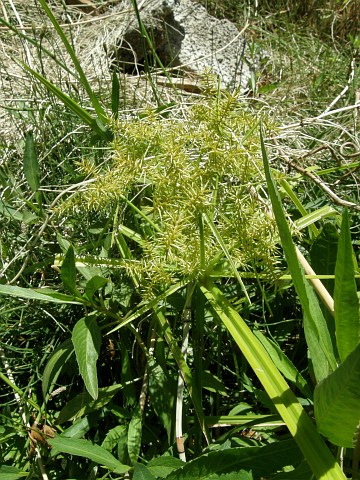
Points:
[(86, 339), (346, 301)]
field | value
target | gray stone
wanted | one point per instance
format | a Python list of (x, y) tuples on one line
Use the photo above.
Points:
[(184, 36)]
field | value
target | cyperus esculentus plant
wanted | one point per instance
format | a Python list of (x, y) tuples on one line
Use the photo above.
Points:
[(200, 160)]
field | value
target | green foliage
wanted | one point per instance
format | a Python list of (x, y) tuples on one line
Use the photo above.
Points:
[(336, 402), (156, 261)]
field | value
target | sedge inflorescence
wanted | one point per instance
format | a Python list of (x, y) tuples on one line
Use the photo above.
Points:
[(167, 171)]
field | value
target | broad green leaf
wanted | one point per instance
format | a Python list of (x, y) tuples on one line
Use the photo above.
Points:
[(163, 466), (323, 253), (79, 428), (346, 300), (11, 473), (55, 364), (86, 338), (68, 271), (262, 461), (93, 285), (83, 403), (46, 295), (113, 436), (84, 448), (285, 366), (299, 424), (141, 472), (134, 436), (316, 331), (31, 164), (337, 402)]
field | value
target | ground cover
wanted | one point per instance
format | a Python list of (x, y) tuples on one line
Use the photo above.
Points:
[(159, 315)]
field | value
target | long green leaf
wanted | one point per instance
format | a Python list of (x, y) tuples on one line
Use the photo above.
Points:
[(83, 79), (299, 424), (88, 119), (346, 300), (31, 163), (337, 402), (35, 294), (284, 365), (227, 254), (86, 338), (84, 448), (316, 331), (115, 91)]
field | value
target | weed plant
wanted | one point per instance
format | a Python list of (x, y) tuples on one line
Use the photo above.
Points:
[(151, 298)]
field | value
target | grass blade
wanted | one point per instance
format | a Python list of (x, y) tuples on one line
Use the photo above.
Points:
[(315, 451), (316, 331), (31, 164), (84, 81)]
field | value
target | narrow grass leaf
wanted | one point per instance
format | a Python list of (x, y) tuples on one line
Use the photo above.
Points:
[(227, 254), (346, 300), (185, 372), (31, 163), (284, 364), (88, 119), (86, 338), (55, 364), (84, 448), (316, 331), (48, 295), (84, 404), (337, 402), (115, 94), (83, 79), (315, 216), (299, 424)]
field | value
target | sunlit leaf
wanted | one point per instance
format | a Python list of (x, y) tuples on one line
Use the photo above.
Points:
[(337, 402), (346, 300), (86, 338), (84, 448)]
